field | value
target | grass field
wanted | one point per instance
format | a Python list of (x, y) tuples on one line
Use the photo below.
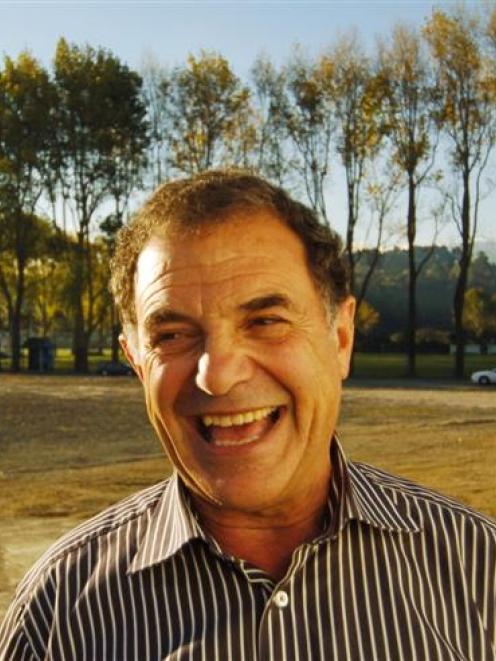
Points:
[(367, 365), (429, 366), (70, 446)]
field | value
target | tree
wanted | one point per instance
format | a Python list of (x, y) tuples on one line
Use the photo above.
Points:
[(210, 115), (125, 177), (156, 93), (381, 198), (27, 103), (36, 245), (273, 159), (408, 82), (367, 318), (102, 137), (110, 227), (478, 314), (310, 124), (465, 108), (482, 272), (358, 99), (48, 278)]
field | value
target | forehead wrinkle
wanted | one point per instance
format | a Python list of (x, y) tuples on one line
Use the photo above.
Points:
[(217, 296), (220, 275), (179, 255), (140, 273), (216, 281), (245, 292), (173, 267), (147, 294)]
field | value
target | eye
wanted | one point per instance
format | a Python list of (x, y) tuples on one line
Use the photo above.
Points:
[(173, 340), (170, 336), (266, 321), (268, 326)]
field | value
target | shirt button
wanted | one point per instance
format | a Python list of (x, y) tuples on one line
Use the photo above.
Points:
[(281, 599)]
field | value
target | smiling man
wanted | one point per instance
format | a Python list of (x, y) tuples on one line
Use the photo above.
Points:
[(243, 372), (265, 543)]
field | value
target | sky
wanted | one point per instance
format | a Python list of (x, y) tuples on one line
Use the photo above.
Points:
[(240, 31)]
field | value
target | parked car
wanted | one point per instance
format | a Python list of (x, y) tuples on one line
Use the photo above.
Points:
[(484, 377), (114, 369)]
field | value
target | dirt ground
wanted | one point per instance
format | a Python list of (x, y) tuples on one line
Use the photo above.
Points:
[(72, 445)]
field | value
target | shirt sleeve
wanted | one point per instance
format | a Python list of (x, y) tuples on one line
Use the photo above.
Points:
[(480, 571), (14, 643), (25, 631)]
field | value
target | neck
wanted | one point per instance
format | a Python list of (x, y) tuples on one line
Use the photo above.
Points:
[(264, 540)]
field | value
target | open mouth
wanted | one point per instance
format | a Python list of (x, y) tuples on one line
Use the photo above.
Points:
[(230, 430)]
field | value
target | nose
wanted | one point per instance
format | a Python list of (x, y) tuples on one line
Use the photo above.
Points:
[(222, 366)]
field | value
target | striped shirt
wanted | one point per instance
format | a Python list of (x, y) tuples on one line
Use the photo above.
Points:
[(399, 573)]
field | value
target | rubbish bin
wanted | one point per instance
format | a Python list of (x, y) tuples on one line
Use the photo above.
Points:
[(41, 351)]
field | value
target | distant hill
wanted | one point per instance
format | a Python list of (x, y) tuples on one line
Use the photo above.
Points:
[(488, 247), (388, 289)]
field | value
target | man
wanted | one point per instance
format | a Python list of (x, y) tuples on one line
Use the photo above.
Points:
[(265, 543)]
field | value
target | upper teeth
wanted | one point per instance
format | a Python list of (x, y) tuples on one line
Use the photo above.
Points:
[(237, 418)]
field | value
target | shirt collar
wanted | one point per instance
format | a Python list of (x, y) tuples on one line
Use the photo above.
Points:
[(355, 494), (171, 525), (358, 494)]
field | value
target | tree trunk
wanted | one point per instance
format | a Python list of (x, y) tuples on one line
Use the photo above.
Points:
[(350, 235), (115, 329), (15, 342), (8, 299), (412, 278), (80, 344), (461, 284), (15, 326)]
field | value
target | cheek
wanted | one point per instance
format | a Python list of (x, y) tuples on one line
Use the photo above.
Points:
[(155, 377), (315, 375), (302, 369), (304, 359), (164, 384), (160, 390), (281, 363)]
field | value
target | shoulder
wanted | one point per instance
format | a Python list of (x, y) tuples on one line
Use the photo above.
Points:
[(129, 513), (427, 506), (116, 531)]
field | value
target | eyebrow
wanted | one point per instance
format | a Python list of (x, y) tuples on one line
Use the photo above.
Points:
[(254, 305), (163, 317), (264, 302)]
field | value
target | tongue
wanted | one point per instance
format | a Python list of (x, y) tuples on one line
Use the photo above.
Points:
[(239, 432)]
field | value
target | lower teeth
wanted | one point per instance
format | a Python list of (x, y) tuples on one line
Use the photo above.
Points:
[(228, 443)]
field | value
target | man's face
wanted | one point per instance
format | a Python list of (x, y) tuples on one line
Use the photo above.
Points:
[(241, 370)]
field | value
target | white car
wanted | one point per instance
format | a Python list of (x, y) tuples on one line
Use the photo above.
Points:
[(484, 377)]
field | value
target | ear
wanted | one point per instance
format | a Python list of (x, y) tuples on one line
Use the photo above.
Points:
[(129, 347), (345, 331)]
